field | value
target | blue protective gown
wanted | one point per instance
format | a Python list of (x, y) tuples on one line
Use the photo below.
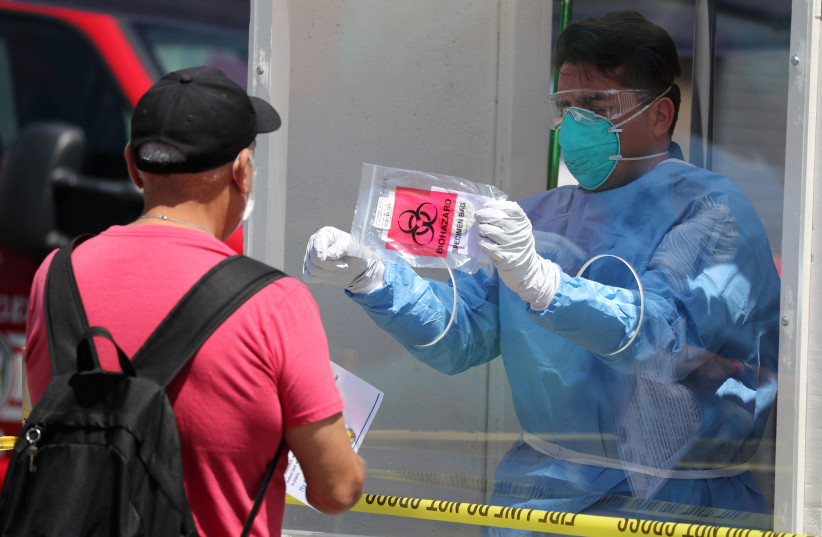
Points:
[(691, 393)]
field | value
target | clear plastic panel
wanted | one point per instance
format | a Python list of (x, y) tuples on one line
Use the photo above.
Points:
[(524, 423)]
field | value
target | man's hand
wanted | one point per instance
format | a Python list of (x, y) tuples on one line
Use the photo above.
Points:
[(334, 257), (507, 238)]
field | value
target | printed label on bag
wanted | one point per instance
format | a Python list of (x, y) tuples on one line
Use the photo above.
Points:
[(383, 212), (464, 234)]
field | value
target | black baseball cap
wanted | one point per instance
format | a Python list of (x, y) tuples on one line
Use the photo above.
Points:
[(202, 113)]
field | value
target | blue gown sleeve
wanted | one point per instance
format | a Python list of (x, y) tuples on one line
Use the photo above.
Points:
[(416, 310)]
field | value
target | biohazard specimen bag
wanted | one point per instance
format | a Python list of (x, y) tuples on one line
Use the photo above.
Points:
[(100, 453), (420, 218)]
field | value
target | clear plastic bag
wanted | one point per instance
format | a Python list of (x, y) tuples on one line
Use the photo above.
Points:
[(421, 219)]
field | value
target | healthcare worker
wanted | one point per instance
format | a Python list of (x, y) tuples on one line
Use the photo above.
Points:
[(649, 372)]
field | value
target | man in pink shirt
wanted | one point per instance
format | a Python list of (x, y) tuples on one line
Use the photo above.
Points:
[(265, 372)]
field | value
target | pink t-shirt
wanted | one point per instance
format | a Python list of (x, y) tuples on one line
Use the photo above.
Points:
[(267, 367)]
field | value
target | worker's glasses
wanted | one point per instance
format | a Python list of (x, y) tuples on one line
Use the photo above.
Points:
[(610, 104)]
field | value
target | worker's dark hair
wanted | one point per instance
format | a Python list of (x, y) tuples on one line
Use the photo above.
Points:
[(627, 47)]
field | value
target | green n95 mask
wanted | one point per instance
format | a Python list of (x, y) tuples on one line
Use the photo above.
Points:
[(589, 144)]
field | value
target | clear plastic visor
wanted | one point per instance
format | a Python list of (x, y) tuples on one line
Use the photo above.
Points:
[(610, 104)]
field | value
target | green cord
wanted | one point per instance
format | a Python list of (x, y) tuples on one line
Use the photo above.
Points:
[(553, 138)]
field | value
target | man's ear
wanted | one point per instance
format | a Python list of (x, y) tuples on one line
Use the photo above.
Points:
[(241, 171), (663, 111), (133, 172)]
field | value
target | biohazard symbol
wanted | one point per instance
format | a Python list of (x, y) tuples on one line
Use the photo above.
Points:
[(419, 223)]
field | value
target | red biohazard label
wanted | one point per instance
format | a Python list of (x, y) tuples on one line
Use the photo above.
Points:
[(421, 222)]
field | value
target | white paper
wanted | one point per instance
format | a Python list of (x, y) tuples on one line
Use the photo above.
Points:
[(362, 401)]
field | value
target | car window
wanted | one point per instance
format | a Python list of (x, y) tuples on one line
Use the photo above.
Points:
[(8, 119), (50, 71)]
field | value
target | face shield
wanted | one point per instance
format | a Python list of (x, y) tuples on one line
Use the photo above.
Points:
[(611, 104)]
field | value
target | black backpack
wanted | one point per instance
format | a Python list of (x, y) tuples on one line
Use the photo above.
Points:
[(100, 453)]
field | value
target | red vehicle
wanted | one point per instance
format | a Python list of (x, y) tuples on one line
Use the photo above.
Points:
[(69, 80)]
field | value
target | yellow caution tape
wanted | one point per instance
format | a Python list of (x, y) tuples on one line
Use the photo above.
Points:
[(7, 442), (536, 520), (634, 507)]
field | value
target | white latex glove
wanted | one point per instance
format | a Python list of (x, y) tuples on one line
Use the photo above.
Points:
[(506, 236), (334, 257)]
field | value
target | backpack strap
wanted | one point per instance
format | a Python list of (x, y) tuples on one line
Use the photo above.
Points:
[(204, 307), (223, 289), (269, 471), (66, 319)]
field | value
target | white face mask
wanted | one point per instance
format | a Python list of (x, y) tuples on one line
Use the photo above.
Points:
[(249, 200)]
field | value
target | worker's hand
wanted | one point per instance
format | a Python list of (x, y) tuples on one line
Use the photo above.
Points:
[(334, 257), (507, 238)]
